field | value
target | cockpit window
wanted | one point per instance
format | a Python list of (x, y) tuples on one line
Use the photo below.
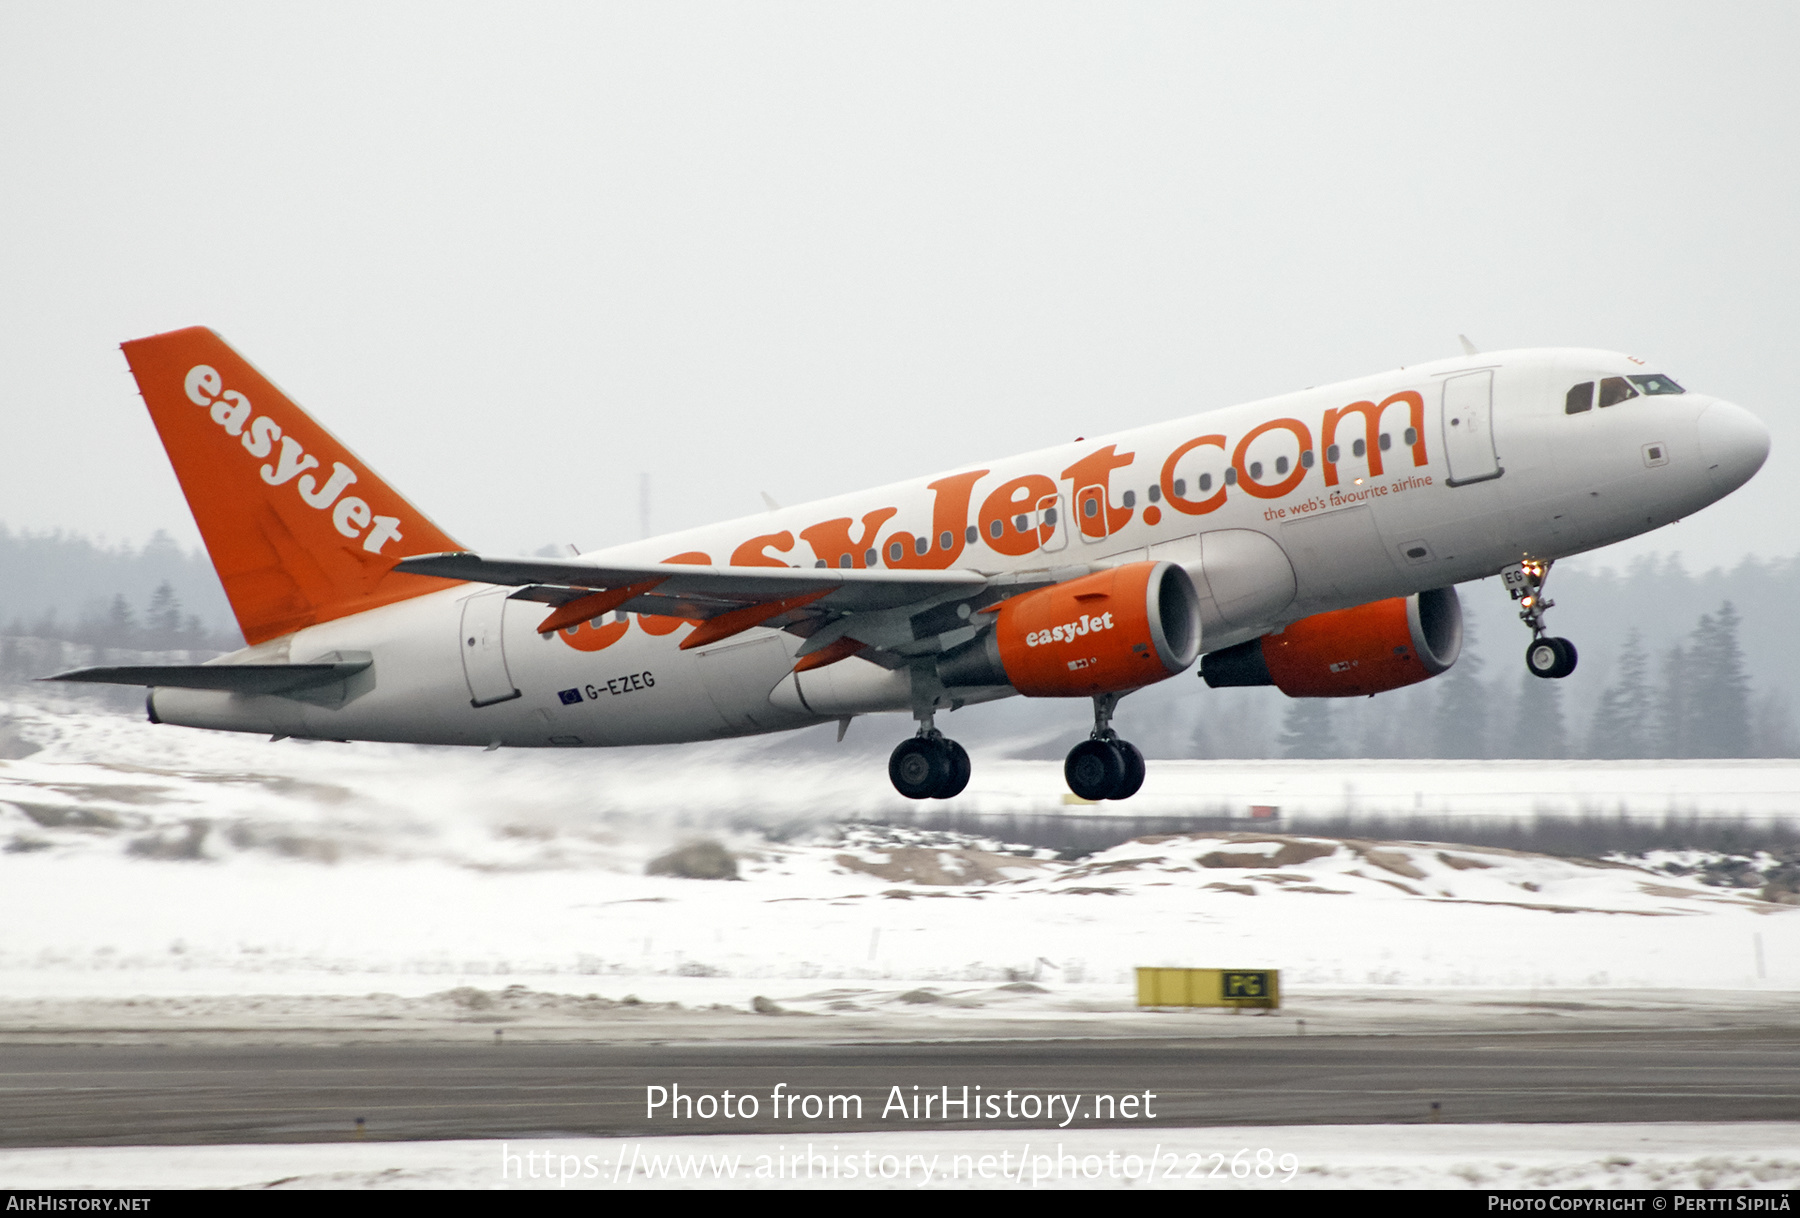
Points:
[(1615, 389), (1656, 383), (1580, 398)]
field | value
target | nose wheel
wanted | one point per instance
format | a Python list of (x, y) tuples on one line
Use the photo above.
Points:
[(1547, 657), (1104, 766), (929, 766)]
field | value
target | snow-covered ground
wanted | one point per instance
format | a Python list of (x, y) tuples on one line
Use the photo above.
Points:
[(1598, 1156), (199, 884), (141, 860)]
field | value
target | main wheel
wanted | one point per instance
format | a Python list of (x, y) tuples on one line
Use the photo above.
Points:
[(960, 770), (920, 767), (1095, 769), (1550, 658), (1134, 770)]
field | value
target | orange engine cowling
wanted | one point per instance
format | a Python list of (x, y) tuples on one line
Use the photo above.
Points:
[(1349, 652), (1109, 632)]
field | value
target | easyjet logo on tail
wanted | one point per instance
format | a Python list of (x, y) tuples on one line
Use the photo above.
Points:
[(259, 434)]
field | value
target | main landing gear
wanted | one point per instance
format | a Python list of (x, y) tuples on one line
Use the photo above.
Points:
[(929, 766), (1103, 766), (1546, 656), (932, 766)]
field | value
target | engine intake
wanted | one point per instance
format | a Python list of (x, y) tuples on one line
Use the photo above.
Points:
[(1109, 632), (1349, 653)]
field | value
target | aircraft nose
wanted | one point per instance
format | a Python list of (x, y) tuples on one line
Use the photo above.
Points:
[(1735, 444)]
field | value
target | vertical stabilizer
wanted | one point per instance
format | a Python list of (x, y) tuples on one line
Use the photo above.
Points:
[(298, 528)]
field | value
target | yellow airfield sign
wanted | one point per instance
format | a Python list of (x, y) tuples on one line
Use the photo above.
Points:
[(1209, 987)]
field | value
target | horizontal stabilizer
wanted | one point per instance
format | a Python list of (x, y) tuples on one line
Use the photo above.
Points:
[(231, 678)]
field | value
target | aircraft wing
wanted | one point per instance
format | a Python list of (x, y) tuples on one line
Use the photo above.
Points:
[(811, 601), (684, 590)]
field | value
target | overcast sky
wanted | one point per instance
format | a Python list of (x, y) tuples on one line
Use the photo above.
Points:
[(516, 255)]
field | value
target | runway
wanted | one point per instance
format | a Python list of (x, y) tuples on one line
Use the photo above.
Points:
[(124, 1094)]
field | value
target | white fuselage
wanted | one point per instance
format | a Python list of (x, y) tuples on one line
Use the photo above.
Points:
[(1497, 472)]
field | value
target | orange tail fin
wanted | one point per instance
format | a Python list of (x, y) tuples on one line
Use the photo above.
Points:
[(299, 529)]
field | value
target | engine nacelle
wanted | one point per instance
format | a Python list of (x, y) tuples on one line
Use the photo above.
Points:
[(1109, 632), (1349, 652)]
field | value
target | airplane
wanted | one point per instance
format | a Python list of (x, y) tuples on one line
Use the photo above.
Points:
[(1312, 542)]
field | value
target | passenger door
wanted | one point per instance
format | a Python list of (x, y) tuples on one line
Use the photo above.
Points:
[(1466, 423)]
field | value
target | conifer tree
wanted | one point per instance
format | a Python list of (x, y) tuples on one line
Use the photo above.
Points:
[(162, 620), (1460, 727), (120, 628), (1379, 724), (1773, 726), (1200, 741), (1623, 722), (1718, 711), (1669, 727), (1306, 729), (1538, 728)]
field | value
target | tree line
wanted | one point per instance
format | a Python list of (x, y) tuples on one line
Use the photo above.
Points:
[(162, 624), (1691, 699)]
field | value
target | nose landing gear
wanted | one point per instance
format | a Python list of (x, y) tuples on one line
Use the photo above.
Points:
[(1546, 656), (1103, 766)]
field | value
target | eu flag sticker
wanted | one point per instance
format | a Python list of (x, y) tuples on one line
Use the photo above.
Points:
[(569, 696)]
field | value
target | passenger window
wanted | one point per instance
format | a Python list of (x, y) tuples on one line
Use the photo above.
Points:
[(1615, 389), (1656, 383), (1580, 398), (1387, 441)]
